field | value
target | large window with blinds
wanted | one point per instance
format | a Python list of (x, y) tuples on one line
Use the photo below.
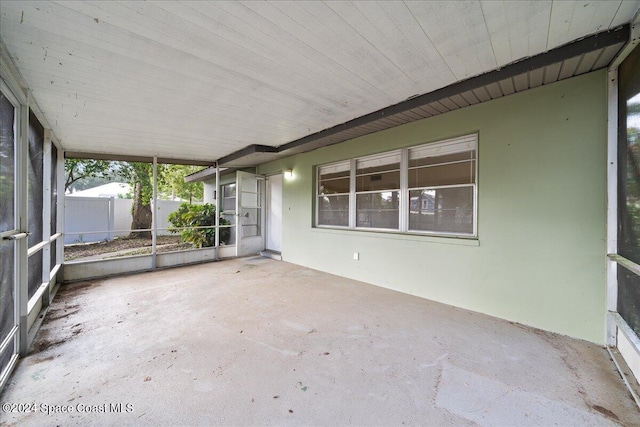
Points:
[(426, 189)]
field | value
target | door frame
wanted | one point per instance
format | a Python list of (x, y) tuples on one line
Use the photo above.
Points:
[(18, 333), (247, 245), (268, 193)]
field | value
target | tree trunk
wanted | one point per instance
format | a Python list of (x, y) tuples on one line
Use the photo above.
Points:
[(141, 214)]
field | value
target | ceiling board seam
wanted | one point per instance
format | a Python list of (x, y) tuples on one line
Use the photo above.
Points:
[(486, 25), (321, 53), (427, 36), (370, 43), (597, 59), (613, 18), (579, 64)]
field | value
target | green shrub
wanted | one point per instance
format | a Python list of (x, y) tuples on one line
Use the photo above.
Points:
[(198, 216)]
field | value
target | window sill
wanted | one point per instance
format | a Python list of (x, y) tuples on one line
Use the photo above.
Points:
[(414, 237)]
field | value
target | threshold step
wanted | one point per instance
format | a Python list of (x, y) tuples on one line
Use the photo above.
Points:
[(271, 254)]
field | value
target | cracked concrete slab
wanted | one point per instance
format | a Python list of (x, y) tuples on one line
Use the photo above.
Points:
[(255, 341)]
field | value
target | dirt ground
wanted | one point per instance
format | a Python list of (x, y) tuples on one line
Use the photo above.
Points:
[(120, 247)]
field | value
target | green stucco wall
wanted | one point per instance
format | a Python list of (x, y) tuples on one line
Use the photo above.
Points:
[(540, 254)]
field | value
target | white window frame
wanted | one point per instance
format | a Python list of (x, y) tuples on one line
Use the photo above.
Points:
[(225, 198), (338, 166), (449, 146), (376, 159)]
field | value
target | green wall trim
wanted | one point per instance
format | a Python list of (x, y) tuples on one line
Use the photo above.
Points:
[(540, 256)]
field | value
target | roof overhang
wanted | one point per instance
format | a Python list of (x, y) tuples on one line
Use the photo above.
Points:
[(579, 57)]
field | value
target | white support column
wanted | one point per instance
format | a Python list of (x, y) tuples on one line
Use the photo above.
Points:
[(112, 217), (22, 245), (352, 194), (218, 210), (404, 191), (612, 204), (154, 222), (60, 213), (46, 214)]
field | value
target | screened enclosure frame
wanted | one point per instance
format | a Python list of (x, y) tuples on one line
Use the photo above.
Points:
[(94, 268), (619, 333), (616, 260), (32, 290)]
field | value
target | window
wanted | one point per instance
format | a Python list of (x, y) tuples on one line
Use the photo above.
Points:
[(427, 189), (333, 194), (228, 211), (229, 197), (378, 191), (251, 207), (441, 181)]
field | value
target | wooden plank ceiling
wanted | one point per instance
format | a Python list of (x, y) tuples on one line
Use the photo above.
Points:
[(202, 80)]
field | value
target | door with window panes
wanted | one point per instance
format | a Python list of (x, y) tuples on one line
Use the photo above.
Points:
[(249, 213)]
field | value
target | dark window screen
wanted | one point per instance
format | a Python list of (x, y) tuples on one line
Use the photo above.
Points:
[(7, 222), (7, 302), (36, 141), (629, 186), (53, 255), (629, 298), (35, 272), (7, 165)]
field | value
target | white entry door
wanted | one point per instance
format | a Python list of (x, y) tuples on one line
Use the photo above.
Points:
[(274, 213), (250, 213)]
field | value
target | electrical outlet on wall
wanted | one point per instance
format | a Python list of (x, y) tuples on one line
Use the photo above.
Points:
[(356, 255)]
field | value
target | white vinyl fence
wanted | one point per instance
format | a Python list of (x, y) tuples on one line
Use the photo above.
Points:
[(110, 217)]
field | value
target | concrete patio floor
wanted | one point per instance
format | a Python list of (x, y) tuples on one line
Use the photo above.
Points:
[(255, 341)]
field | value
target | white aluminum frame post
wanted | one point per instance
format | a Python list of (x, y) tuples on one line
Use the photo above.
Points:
[(22, 245), (154, 222), (612, 205)]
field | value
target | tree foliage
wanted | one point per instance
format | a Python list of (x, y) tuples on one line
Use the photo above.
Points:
[(79, 171), (86, 173), (171, 184), (198, 216)]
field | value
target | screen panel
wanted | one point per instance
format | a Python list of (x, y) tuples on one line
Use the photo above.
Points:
[(36, 142), (629, 187)]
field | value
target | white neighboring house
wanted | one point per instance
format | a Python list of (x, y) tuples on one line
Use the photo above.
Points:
[(112, 189)]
